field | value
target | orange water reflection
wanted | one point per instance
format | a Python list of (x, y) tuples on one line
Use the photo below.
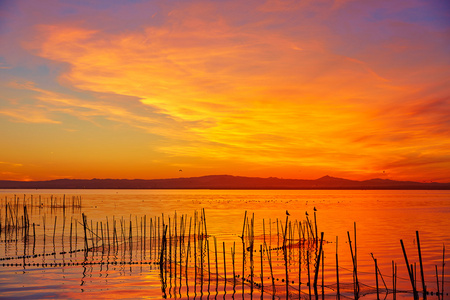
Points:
[(382, 218)]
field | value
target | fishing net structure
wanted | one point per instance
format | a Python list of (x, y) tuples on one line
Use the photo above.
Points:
[(285, 261)]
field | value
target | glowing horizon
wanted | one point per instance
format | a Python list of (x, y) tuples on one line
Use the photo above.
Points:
[(289, 89)]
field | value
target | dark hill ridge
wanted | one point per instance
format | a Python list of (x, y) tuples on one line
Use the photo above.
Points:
[(223, 182)]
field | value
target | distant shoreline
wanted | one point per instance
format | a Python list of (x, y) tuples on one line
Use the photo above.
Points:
[(246, 189), (226, 182)]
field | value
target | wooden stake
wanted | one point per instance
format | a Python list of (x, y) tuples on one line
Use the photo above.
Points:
[(437, 282), (337, 271), (54, 231), (269, 256), (355, 272), (421, 267), (376, 278), (394, 280), (299, 262), (217, 262), (316, 274), (285, 258), (85, 233), (71, 233), (323, 269), (443, 265), (262, 269), (410, 271), (224, 268), (309, 273)]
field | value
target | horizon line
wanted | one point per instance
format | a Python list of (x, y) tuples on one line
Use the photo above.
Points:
[(228, 175)]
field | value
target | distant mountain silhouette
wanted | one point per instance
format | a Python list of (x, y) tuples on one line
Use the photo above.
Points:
[(223, 182)]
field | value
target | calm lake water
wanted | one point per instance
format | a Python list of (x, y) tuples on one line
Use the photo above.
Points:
[(205, 255)]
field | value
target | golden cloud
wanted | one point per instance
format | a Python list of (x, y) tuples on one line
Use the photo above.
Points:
[(247, 93)]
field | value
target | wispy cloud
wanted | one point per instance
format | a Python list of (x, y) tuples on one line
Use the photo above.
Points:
[(49, 106), (10, 164)]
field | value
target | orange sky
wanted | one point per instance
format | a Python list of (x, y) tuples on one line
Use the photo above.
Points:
[(291, 89)]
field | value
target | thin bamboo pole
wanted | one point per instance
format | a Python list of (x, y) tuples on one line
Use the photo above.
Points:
[(424, 288), (233, 259), (394, 281), (316, 274), (410, 271), (323, 272), (337, 271), (285, 257), (376, 279), (299, 262), (443, 265), (269, 256), (355, 272), (437, 282), (262, 269), (309, 273), (224, 269), (217, 262)]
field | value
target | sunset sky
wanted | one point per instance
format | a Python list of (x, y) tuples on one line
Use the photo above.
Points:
[(290, 89)]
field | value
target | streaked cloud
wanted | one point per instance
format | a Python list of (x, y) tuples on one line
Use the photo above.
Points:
[(10, 164)]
